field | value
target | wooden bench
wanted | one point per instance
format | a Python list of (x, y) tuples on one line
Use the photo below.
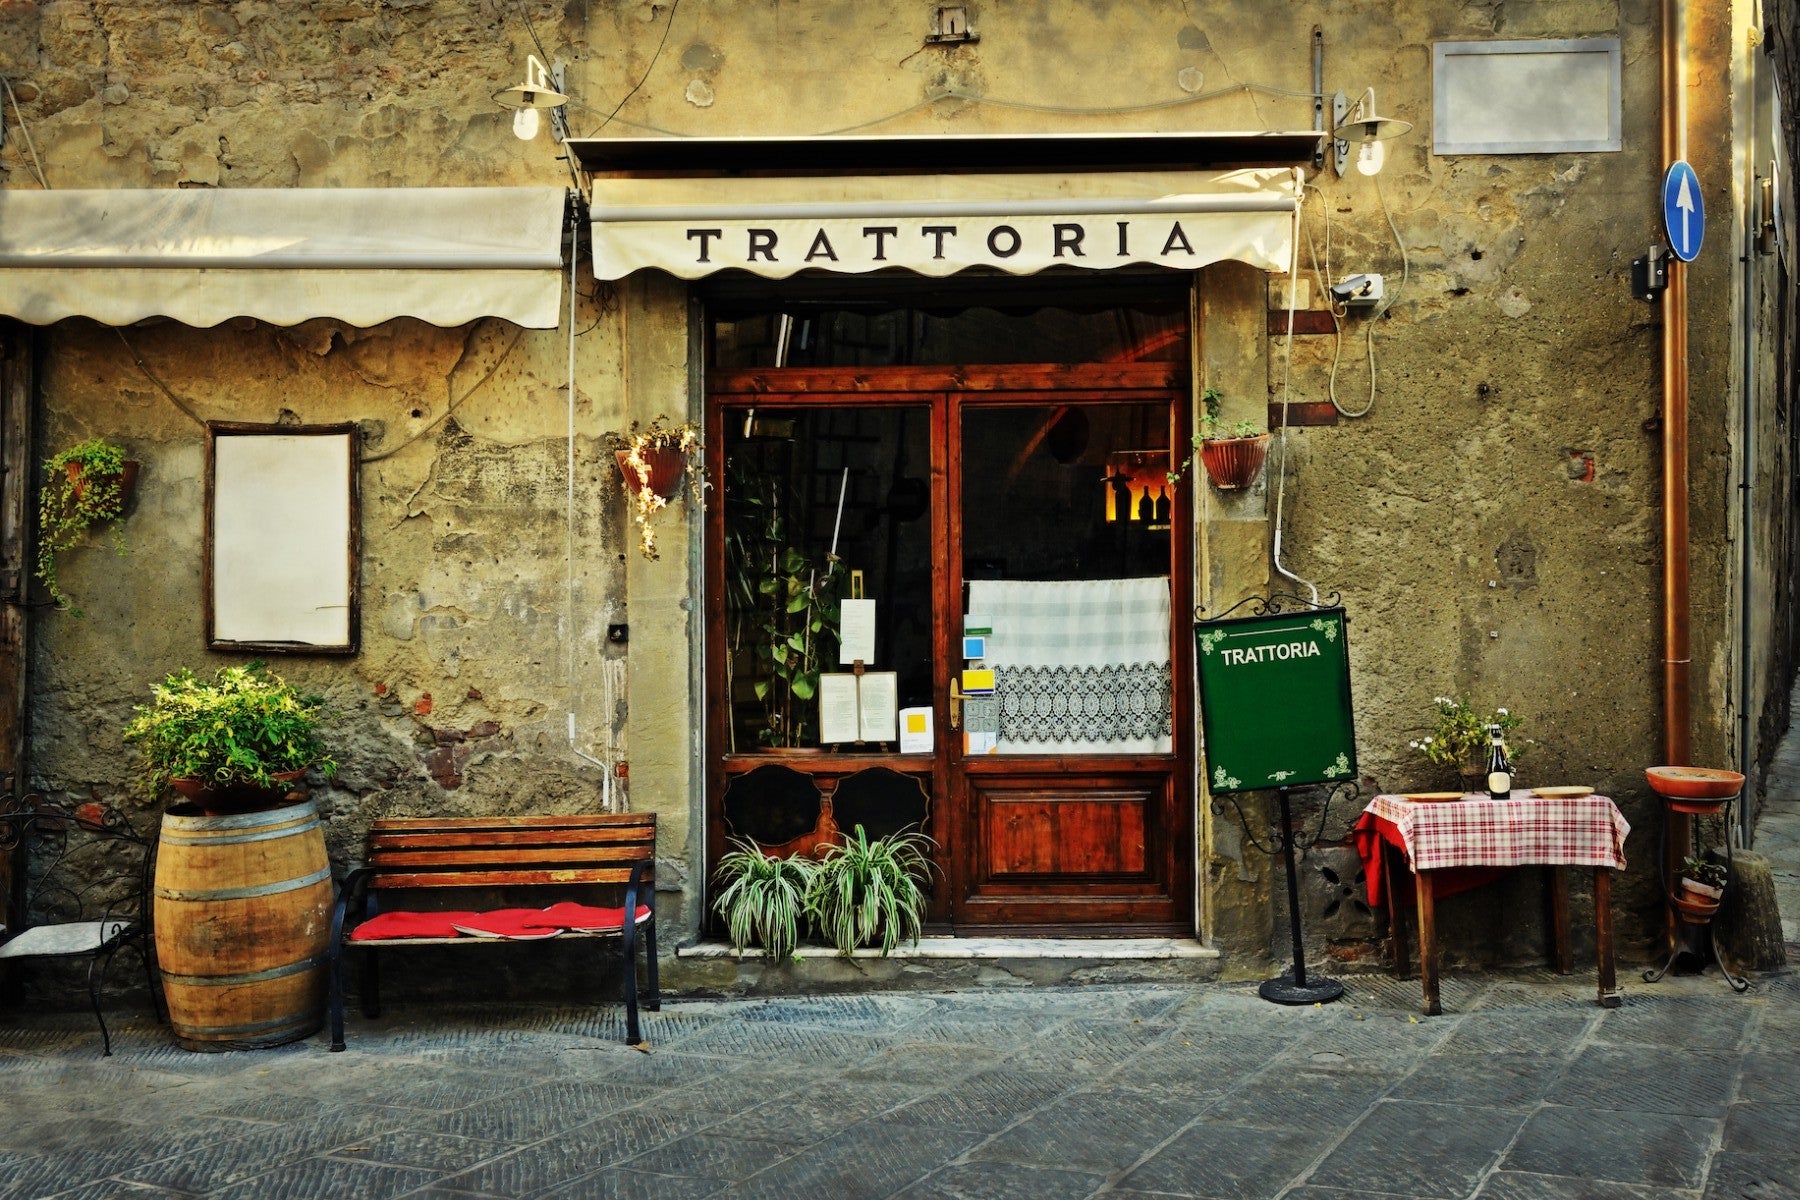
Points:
[(427, 865)]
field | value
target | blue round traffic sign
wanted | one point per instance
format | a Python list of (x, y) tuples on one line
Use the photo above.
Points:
[(1684, 212)]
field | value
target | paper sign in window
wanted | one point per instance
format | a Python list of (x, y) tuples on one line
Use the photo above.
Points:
[(856, 632)]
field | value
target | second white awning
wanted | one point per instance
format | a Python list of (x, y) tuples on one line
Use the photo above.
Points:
[(937, 225)]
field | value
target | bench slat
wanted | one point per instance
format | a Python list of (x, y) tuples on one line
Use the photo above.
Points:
[(465, 878), (645, 821), (577, 838), (388, 860)]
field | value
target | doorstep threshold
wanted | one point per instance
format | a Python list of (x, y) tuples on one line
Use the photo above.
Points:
[(972, 948)]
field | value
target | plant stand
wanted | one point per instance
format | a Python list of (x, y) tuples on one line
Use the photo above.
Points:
[(1692, 935)]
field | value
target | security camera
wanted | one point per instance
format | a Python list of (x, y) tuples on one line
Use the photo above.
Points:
[(1358, 289)]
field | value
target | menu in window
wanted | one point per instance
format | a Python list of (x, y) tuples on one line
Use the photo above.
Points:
[(859, 708)]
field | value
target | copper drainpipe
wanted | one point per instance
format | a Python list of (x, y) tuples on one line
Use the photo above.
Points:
[(1677, 698)]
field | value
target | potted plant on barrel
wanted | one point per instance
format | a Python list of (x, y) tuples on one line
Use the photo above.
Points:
[(85, 485), (234, 743), (242, 904)]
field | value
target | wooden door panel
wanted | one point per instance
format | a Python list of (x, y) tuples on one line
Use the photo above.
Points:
[(1036, 834)]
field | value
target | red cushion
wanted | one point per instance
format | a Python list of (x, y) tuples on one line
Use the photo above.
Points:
[(587, 918), (409, 925), (508, 922)]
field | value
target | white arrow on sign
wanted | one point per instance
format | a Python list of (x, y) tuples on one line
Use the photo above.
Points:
[(1684, 200)]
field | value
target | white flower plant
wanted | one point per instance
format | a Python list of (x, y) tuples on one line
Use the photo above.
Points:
[(1458, 733)]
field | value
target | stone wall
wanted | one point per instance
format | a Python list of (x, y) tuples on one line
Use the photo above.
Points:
[(1492, 523)]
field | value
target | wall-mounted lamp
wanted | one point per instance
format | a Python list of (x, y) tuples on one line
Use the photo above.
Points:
[(528, 97), (1365, 128)]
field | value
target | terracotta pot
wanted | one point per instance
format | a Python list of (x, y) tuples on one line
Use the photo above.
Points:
[(1698, 790), (1695, 910), (127, 482), (211, 799), (664, 465), (1233, 463)]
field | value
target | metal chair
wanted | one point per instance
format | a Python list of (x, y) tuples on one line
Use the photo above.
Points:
[(81, 886)]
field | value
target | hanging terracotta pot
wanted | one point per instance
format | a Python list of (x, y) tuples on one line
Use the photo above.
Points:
[(127, 478), (1693, 908), (662, 470), (1233, 463)]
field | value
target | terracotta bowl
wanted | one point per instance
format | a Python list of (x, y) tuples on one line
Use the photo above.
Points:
[(1694, 783)]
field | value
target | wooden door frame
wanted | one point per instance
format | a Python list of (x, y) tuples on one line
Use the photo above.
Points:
[(18, 370), (1023, 384)]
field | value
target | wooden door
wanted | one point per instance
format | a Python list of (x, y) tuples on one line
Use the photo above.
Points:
[(1006, 481)]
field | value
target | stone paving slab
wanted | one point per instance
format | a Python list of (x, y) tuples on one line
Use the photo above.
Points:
[(1525, 1090)]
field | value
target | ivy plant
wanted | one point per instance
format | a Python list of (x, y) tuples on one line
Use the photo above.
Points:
[(83, 487)]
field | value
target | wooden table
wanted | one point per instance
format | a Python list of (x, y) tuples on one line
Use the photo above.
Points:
[(1425, 839)]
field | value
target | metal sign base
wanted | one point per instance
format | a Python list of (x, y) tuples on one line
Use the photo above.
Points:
[(1283, 990), (1294, 987)]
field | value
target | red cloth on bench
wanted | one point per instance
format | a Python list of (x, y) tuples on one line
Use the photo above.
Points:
[(566, 914), (410, 925), (500, 922), (1370, 831)]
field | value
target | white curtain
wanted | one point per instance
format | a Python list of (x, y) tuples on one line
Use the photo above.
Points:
[(1081, 666)]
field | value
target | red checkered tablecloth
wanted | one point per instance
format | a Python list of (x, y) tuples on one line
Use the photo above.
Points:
[(1483, 832)]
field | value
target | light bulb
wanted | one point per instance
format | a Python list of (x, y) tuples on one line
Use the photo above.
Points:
[(1370, 157), (525, 124)]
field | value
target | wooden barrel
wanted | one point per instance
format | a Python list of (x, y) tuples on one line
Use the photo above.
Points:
[(243, 920)]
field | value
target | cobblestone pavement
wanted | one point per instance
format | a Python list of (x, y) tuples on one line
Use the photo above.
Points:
[(1778, 826), (1524, 1090)]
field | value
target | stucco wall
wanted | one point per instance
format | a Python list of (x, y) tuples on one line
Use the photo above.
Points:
[(1492, 524)]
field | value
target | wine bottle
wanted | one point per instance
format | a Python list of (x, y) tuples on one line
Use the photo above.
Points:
[(1499, 770)]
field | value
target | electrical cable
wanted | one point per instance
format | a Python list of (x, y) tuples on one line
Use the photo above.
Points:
[(667, 25), (569, 640), (36, 166), (1287, 388)]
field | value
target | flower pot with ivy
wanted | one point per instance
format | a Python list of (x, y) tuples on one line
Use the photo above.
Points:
[(1457, 739), (85, 486), (1233, 452), (653, 459), (239, 742), (783, 607)]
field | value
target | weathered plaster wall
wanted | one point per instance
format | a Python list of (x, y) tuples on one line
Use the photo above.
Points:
[(1492, 524)]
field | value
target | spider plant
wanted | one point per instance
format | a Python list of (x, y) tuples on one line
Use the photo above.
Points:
[(866, 890), (765, 898)]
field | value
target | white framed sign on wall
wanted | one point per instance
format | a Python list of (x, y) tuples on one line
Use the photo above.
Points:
[(283, 538)]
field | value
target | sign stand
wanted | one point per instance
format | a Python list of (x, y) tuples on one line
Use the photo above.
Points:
[(1293, 987), (1276, 713)]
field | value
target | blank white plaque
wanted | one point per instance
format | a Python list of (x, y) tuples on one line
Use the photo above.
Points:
[(282, 538), (1543, 96)]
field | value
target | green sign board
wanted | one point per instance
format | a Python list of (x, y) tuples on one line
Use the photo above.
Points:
[(1275, 700)]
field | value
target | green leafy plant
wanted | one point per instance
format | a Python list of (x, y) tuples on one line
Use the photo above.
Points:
[(867, 890), (763, 899), (245, 727), (640, 451), (1213, 428), (783, 609), (1704, 870), (83, 487), (1458, 734)]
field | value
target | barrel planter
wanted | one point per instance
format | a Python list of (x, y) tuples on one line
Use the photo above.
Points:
[(242, 916)]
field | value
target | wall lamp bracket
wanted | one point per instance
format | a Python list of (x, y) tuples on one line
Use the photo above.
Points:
[(1360, 126)]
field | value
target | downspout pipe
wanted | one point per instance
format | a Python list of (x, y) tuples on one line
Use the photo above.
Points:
[(1677, 662)]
